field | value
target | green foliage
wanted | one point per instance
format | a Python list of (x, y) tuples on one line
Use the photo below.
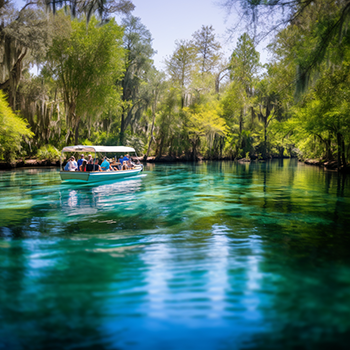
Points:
[(238, 102), (135, 93), (205, 120), (98, 86), (85, 61), (48, 152), (136, 142), (244, 65), (13, 130), (203, 123), (207, 49), (181, 64)]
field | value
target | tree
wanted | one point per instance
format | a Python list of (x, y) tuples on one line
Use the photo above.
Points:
[(181, 63), (271, 103), (203, 121), (27, 31), (102, 8), (244, 65), (207, 49), (13, 130), (137, 64), (205, 78), (21, 33), (180, 66), (238, 101), (324, 113), (85, 62), (328, 19), (311, 58), (156, 87)]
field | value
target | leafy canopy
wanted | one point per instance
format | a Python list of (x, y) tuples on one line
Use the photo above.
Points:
[(86, 62), (12, 130)]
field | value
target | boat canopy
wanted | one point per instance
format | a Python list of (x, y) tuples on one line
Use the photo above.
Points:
[(102, 149)]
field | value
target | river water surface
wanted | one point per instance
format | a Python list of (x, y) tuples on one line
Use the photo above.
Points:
[(214, 255)]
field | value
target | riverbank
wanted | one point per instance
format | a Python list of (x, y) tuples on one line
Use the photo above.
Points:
[(184, 158), (327, 165), (29, 163)]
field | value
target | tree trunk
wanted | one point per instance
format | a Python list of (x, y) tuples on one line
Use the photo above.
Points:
[(77, 131), (339, 150), (328, 149), (122, 129), (194, 155), (265, 137), (161, 147), (343, 152), (10, 85), (150, 140), (152, 128), (241, 122), (171, 147), (222, 145)]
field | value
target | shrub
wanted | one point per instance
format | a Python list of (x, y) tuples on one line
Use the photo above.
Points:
[(13, 130), (49, 153)]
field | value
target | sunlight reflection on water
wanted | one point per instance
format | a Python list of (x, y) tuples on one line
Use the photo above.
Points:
[(211, 255)]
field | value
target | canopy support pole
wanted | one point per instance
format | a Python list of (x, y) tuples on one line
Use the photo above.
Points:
[(138, 162)]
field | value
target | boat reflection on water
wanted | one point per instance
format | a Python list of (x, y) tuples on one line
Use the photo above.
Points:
[(76, 199), (120, 187)]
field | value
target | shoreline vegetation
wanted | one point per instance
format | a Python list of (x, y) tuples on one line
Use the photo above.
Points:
[(96, 83), (33, 163)]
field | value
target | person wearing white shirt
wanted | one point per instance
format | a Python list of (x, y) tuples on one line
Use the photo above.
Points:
[(70, 165)]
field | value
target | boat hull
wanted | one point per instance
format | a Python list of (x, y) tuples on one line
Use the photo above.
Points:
[(97, 176)]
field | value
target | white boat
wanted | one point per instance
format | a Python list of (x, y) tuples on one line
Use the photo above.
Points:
[(98, 176)]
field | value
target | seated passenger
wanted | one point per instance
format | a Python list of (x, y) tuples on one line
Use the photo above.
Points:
[(90, 165), (121, 159), (75, 164), (83, 166), (96, 166), (106, 166), (130, 164), (80, 161), (70, 165), (125, 166)]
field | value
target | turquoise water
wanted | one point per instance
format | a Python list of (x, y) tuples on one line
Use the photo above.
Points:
[(213, 255)]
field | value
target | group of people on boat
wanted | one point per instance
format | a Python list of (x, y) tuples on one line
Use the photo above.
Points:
[(124, 163)]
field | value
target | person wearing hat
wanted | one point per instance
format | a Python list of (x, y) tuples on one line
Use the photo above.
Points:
[(80, 161)]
